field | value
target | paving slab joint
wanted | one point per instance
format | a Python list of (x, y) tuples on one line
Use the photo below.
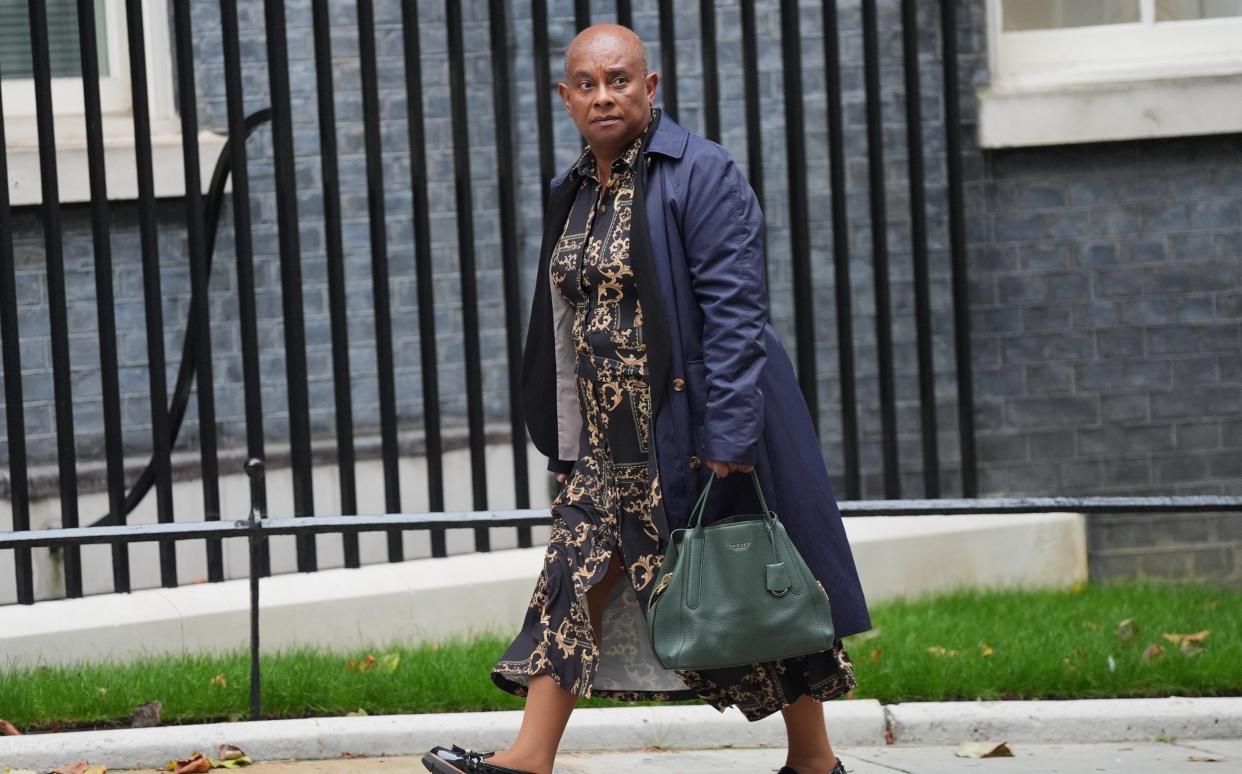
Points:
[(890, 732)]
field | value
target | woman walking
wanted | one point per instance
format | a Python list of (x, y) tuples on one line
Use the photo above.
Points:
[(650, 363)]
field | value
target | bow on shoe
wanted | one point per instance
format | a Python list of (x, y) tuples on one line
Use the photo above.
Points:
[(459, 760)]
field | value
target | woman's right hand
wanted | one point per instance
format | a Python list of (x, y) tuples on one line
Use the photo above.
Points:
[(562, 477)]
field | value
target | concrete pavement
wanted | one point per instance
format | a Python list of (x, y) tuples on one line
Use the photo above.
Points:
[(1191, 757), (1105, 726)]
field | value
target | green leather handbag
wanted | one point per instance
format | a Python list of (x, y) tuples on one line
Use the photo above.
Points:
[(735, 592)]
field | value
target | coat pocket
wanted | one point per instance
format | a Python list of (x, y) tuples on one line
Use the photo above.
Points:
[(696, 397)]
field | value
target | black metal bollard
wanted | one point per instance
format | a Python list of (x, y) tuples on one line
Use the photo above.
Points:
[(255, 470)]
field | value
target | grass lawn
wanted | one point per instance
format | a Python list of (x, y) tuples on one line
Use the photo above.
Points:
[(968, 645)]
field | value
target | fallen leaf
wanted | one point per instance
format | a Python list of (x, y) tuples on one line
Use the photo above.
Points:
[(8, 729), (199, 579), (875, 655), (359, 713), (1153, 652), (1091, 624), (888, 735), (77, 767), (986, 650), (1127, 630), (103, 692), (228, 752), (1112, 663), (1205, 759), (147, 715), (936, 650), (391, 662), (361, 665), (20, 771), (866, 636), (100, 769), (1189, 644), (233, 763), (197, 763), (1078, 588), (1180, 638), (220, 681), (984, 750)]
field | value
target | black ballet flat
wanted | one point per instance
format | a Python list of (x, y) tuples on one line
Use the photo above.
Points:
[(838, 769), (457, 760)]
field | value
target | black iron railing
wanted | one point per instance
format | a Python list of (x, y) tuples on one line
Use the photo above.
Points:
[(256, 528), (202, 211)]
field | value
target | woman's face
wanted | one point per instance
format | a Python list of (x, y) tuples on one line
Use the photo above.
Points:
[(608, 92)]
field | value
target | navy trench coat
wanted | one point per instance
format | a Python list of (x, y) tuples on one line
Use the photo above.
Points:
[(723, 387)]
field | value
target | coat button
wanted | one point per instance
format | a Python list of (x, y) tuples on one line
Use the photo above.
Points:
[(694, 462), (679, 384)]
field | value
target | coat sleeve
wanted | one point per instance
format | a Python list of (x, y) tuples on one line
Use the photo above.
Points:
[(723, 232)]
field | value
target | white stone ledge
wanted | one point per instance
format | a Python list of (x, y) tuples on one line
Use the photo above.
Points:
[(1067, 722)]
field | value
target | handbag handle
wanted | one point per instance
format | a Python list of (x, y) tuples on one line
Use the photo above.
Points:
[(696, 514)]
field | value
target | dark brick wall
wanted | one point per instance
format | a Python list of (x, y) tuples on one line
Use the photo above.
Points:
[(1108, 318), (1106, 280), (1177, 547)]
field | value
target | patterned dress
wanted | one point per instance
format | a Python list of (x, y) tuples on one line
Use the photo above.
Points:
[(610, 501)]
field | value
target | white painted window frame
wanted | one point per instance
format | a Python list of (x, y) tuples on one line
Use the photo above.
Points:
[(22, 139), (1111, 82)]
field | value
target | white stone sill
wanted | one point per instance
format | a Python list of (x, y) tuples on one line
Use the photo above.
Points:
[(120, 164), (1108, 110)]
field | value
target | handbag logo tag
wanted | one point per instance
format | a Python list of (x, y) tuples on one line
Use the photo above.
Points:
[(738, 547)]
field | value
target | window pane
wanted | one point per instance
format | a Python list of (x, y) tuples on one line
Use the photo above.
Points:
[(62, 35), (1058, 14), (1178, 10)]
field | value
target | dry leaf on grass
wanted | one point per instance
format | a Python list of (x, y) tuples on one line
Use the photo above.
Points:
[(147, 715), (1189, 644), (1153, 652), (81, 767), (875, 655), (1127, 630), (984, 750), (360, 665), (220, 681), (986, 650), (391, 662), (936, 650), (358, 713), (867, 636), (8, 729)]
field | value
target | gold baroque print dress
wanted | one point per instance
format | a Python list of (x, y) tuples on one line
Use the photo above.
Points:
[(609, 503)]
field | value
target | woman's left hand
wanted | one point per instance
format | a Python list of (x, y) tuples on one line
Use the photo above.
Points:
[(722, 469)]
